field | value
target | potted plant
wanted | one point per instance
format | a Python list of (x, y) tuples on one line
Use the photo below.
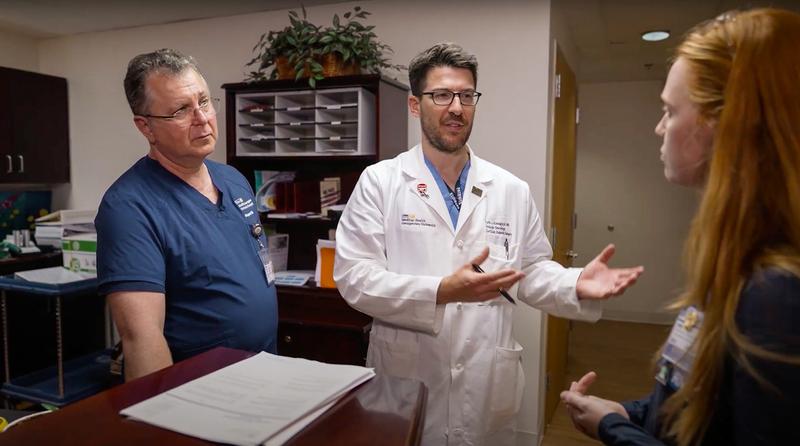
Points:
[(304, 50), (350, 47), (290, 52)]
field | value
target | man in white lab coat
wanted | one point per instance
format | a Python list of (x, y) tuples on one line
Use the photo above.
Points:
[(406, 244)]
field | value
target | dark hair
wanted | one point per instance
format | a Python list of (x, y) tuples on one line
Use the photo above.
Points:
[(445, 54), (164, 60)]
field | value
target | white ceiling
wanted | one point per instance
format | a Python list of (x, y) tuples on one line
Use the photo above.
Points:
[(606, 33)]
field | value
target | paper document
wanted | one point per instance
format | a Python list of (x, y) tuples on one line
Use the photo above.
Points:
[(252, 401), (69, 216), (54, 275), (293, 277)]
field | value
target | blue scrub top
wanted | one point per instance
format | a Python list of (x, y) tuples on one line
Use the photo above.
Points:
[(156, 233), (452, 198)]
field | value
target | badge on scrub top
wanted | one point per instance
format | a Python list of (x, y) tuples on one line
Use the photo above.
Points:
[(678, 351), (263, 253)]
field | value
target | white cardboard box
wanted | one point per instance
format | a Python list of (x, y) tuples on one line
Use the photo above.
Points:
[(80, 253)]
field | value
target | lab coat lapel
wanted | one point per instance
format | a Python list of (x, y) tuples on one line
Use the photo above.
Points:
[(477, 187), (422, 185)]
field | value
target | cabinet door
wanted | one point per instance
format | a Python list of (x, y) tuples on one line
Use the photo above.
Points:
[(35, 129), (326, 343)]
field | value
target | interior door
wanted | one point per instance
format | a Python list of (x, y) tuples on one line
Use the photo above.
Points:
[(563, 209)]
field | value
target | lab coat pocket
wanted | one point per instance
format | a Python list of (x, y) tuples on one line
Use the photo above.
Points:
[(508, 381), (392, 357), (503, 253)]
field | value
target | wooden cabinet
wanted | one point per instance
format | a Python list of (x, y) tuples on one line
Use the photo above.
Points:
[(34, 128), (335, 130), (316, 323)]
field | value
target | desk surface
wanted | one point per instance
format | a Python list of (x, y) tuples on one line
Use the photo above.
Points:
[(385, 410), (10, 265)]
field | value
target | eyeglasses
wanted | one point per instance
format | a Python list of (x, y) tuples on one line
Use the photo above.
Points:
[(445, 97), (185, 114)]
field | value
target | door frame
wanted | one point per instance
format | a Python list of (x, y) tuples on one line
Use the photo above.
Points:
[(544, 416)]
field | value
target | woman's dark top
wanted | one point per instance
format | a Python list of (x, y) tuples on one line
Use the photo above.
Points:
[(747, 412)]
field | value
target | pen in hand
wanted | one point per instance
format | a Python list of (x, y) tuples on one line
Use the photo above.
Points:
[(503, 292)]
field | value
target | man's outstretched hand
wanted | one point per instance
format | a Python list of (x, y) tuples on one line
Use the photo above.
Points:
[(598, 281), (465, 285)]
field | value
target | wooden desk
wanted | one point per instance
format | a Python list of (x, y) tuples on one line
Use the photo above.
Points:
[(10, 265), (386, 411)]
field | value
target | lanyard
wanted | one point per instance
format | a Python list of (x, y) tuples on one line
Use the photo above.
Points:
[(256, 230), (456, 196)]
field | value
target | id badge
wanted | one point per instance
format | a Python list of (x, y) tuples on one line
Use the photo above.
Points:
[(263, 254), (678, 350)]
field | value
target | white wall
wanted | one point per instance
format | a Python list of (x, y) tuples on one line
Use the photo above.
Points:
[(620, 182), (510, 39), (18, 51)]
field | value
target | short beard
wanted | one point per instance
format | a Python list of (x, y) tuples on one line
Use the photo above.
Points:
[(439, 143)]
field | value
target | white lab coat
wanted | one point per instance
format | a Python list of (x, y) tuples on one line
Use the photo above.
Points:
[(396, 241)]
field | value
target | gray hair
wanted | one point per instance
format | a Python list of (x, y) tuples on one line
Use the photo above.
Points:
[(165, 60), (445, 54)]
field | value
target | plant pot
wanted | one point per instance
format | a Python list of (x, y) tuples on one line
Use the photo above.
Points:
[(332, 65), (284, 68)]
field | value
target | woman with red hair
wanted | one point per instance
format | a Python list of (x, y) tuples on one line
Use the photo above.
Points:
[(729, 373)]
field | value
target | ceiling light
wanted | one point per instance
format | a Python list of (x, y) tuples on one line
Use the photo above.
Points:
[(655, 36)]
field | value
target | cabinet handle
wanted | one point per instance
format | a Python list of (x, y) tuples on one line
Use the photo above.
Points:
[(21, 164), (10, 164), (287, 339)]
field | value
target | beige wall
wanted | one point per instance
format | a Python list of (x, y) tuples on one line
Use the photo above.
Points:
[(18, 51), (509, 37), (620, 182)]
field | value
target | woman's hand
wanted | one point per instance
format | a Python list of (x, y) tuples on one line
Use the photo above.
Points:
[(587, 411)]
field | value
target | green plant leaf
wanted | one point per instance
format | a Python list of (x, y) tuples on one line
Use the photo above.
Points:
[(336, 20), (299, 74), (312, 81)]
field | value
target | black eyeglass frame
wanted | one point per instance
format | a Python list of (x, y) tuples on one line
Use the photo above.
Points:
[(477, 95)]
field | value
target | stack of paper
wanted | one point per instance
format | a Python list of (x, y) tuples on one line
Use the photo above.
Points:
[(54, 275), (51, 228), (263, 399)]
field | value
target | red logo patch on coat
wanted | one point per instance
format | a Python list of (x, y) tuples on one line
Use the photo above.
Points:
[(422, 188)]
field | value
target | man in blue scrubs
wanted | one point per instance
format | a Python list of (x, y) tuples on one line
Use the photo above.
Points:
[(181, 255)]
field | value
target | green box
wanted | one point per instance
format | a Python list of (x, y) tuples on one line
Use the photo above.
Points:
[(80, 253)]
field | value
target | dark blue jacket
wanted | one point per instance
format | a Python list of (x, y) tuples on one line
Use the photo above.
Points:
[(747, 412)]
